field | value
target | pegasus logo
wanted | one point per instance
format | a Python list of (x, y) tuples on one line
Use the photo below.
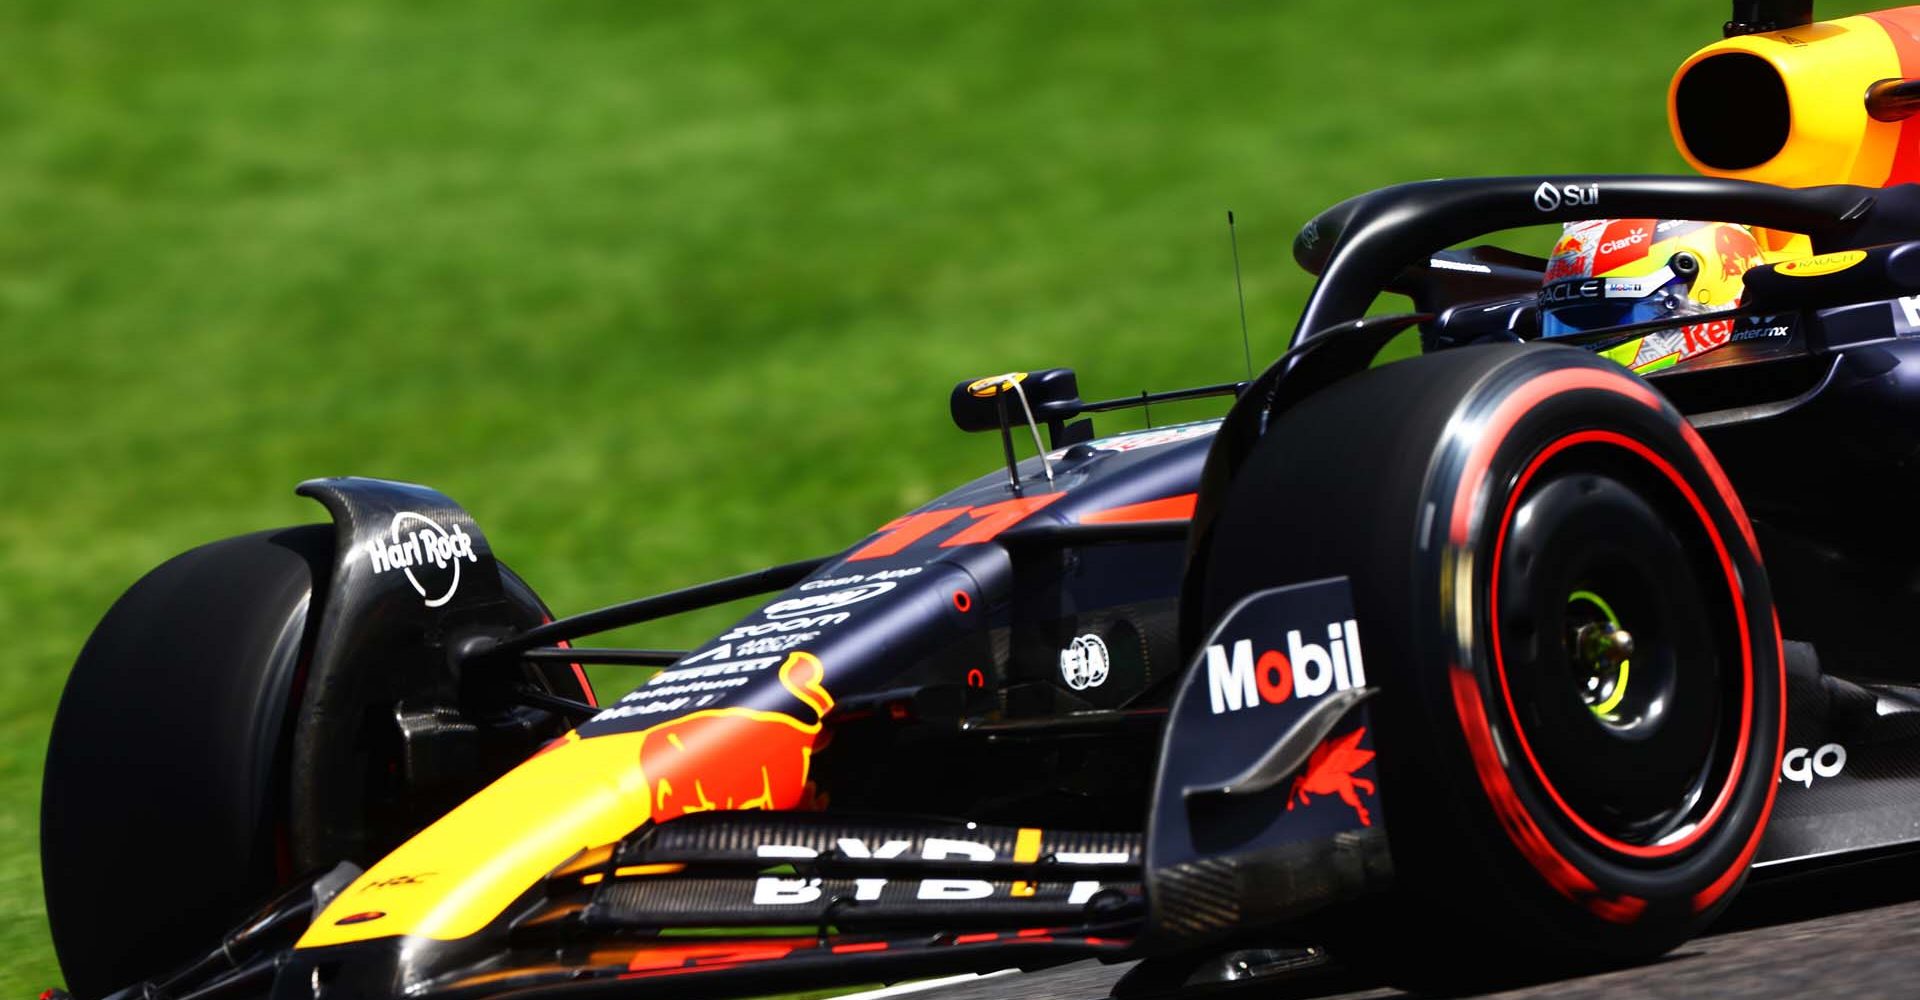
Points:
[(1330, 771)]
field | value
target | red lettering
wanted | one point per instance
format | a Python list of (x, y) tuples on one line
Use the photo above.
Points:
[(1273, 675), (1706, 336)]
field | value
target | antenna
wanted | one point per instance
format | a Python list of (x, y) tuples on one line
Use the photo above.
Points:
[(1754, 16), (1241, 290)]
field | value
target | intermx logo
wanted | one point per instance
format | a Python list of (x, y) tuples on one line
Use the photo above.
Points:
[(1237, 679)]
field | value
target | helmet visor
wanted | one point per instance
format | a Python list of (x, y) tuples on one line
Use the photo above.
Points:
[(1619, 303)]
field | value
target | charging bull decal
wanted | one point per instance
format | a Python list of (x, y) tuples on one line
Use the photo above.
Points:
[(1738, 251), (737, 758)]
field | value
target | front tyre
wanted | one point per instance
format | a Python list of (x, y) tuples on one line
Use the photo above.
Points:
[(1581, 699), (167, 802), (159, 806)]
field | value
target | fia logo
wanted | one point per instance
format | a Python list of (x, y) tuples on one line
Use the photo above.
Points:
[(1084, 663)]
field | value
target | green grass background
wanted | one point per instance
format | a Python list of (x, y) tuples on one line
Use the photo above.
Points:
[(667, 291)]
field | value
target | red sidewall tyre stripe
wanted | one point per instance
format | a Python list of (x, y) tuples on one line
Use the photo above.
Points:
[(1517, 404), (1521, 827), (1712, 893), (579, 672), (1564, 876), (1732, 577)]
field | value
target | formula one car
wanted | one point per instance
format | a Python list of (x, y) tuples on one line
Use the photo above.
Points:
[(1396, 659)]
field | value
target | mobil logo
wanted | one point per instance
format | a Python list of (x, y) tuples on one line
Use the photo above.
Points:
[(1240, 675), (1283, 665)]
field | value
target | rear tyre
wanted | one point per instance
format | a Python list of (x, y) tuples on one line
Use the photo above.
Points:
[(1580, 712), (165, 798)]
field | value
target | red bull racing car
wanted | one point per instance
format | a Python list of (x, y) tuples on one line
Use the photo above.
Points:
[(1396, 659)]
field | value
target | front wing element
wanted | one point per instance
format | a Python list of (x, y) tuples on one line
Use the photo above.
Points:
[(1267, 804)]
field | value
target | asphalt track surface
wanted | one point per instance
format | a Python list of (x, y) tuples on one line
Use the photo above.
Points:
[(1854, 933)]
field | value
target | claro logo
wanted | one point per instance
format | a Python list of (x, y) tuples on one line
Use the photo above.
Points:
[(1634, 238), (1238, 679)]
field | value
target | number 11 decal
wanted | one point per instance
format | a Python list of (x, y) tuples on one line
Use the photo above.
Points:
[(988, 522)]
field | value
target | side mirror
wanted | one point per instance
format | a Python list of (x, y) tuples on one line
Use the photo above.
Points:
[(1052, 393)]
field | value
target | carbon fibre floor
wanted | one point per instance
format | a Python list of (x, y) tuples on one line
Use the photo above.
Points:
[(1851, 934)]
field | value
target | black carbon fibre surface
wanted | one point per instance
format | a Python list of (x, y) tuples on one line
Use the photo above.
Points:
[(1851, 934), (797, 868), (1202, 896), (739, 837), (887, 902)]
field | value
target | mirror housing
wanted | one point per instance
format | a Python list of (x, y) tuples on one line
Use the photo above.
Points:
[(1053, 393)]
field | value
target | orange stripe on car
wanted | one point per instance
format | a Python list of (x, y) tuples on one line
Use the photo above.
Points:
[(1174, 508)]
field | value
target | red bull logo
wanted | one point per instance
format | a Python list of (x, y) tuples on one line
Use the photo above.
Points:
[(1329, 771), (1737, 249), (737, 758), (1568, 260), (1701, 337)]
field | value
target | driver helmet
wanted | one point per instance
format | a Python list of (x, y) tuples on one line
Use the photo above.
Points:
[(1611, 272)]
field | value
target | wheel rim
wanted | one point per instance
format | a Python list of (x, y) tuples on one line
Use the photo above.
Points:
[(1603, 649), (1621, 660)]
